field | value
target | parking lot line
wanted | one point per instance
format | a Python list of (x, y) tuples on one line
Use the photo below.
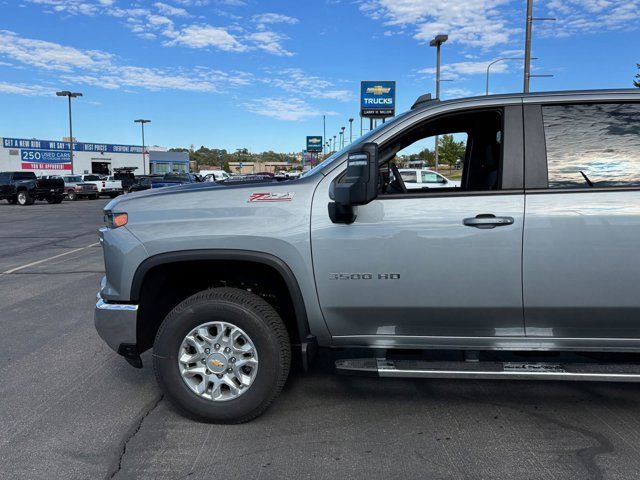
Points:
[(15, 269)]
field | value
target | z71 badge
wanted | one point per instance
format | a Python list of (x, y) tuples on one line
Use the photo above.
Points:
[(271, 197)]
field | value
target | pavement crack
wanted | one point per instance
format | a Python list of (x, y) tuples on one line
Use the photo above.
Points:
[(133, 431)]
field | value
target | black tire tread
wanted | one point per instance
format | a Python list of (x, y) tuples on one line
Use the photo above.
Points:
[(267, 313)]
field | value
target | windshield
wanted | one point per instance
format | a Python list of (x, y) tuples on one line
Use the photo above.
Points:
[(91, 178), (359, 141)]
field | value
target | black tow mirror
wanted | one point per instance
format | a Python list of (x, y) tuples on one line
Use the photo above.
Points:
[(359, 186)]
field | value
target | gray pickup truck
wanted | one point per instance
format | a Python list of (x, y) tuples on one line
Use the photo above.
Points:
[(535, 253)]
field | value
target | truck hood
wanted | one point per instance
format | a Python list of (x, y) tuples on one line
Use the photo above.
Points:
[(172, 193)]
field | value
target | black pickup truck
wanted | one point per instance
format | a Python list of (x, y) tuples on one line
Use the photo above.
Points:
[(24, 188)]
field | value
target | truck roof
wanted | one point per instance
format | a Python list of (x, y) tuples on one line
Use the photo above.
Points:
[(425, 100)]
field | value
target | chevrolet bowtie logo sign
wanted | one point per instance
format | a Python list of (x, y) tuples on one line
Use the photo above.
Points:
[(314, 140), (378, 90)]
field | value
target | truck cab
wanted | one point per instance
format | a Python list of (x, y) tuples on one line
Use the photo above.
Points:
[(534, 251)]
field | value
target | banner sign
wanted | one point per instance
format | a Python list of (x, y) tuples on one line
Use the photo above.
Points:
[(52, 145), (45, 159), (314, 143), (377, 99)]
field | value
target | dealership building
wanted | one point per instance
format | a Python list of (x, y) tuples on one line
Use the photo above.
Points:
[(52, 157)]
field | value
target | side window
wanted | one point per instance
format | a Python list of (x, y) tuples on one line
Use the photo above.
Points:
[(592, 145), (409, 177), (469, 153), (430, 177)]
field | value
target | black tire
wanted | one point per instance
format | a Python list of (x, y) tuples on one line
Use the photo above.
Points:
[(72, 195), (55, 199), (25, 198), (260, 322)]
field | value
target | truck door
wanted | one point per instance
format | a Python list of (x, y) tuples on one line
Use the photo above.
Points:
[(581, 264), (430, 263)]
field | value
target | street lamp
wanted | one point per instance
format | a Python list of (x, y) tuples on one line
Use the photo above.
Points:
[(500, 60), (350, 130), (142, 121), (342, 137), (334, 143), (70, 95), (437, 41)]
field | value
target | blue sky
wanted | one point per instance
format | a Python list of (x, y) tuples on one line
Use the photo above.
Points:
[(260, 74)]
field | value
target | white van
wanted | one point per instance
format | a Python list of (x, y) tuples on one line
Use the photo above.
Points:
[(214, 175)]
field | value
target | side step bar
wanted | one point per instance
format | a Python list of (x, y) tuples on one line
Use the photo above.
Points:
[(594, 372)]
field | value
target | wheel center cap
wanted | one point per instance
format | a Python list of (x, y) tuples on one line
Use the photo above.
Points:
[(217, 362)]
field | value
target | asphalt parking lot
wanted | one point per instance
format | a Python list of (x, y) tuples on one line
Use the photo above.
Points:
[(71, 408)]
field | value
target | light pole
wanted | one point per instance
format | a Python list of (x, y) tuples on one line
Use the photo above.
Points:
[(350, 131), (70, 95), (142, 121), (342, 137), (324, 132), (437, 42), (501, 60), (527, 46), (334, 143)]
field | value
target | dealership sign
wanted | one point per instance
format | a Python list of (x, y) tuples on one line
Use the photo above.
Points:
[(45, 159), (52, 145), (377, 99), (314, 143)]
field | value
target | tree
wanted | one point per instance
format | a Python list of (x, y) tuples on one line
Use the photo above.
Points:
[(636, 82), (450, 151)]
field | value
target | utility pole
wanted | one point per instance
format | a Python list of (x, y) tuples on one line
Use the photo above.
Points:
[(500, 60), (70, 95), (142, 121), (342, 137), (437, 42), (527, 46), (350, 131)]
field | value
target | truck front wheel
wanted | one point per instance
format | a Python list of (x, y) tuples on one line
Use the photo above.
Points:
[(24, 198), (222, 356)]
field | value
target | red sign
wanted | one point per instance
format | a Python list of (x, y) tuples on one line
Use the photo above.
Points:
[(46, 166)]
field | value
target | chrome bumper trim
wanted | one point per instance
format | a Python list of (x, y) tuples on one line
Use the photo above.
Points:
[(116, 323)]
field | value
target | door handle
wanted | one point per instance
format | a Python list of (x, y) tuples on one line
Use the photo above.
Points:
[(487, 220)]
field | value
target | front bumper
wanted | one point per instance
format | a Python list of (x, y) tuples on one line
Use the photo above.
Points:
[(116, 324)]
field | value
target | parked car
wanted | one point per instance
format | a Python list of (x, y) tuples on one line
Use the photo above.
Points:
[(214, 175), (24, 188), (173, 179), (422, 178), (75, 188), (226, 283), (145, 182), (106, 185), (125, 176)]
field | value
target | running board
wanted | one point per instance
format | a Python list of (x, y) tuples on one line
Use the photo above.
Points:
[(594, 372)]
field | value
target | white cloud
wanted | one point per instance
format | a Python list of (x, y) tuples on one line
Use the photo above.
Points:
[(27, 90), (589, 16), (170, 10), (49, 55), (294, 80), (469, 22), (266, 18), (203, 36), (454, 71), (289, 109), (102, 70), (270, 42)]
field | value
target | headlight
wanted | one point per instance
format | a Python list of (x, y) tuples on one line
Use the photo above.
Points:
[(115, 220)]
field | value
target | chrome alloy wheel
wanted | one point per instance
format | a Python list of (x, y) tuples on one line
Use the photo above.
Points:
[(218, 361)]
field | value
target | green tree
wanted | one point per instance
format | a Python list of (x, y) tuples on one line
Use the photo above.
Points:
[(636, 82), (450, 151)]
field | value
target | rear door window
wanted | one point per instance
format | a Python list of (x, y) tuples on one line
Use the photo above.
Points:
[(592, 145)]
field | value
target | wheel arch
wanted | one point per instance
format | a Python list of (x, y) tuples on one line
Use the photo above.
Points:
[(144, 273)]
